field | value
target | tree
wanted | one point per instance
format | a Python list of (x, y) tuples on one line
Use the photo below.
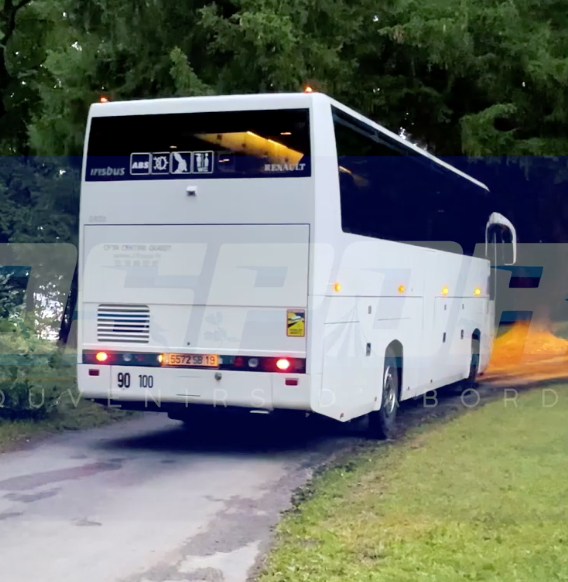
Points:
[(484, 79), (123, 50), (39, 205), (152, 49), (25, 27)]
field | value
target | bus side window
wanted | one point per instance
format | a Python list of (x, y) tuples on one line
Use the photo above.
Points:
[(403, 197), (368, 199)]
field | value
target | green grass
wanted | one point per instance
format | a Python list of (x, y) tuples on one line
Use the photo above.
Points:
[(46, 379), (482, 497), (14, 433)]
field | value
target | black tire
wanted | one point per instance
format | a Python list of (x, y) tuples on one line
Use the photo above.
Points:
[(474, 363), (382, 422)]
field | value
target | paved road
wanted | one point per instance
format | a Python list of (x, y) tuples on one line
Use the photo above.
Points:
[(146, 501)]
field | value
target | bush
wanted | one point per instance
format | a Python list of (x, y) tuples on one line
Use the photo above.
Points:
[(33, 375)]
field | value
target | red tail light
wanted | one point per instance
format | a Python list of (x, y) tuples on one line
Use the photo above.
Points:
[(101, 357), (283, 364)]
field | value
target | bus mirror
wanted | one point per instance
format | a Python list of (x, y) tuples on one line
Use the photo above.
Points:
[(501, 230)]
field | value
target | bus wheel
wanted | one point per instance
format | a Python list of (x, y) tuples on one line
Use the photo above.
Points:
[(474, 363), (382, 422)]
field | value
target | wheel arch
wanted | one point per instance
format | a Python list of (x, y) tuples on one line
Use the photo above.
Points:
[(396, 348), (475, 357)]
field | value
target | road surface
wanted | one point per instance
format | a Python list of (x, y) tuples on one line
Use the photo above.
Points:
[(147, 501)]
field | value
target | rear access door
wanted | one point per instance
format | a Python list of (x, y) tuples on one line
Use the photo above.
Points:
[(204, 289)]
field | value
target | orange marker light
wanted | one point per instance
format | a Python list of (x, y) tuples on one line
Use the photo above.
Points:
[(308, 89), (103, 100), (101, 357), (160, 358), (283, 364), (400, 289), (477, 291), (444, 290), (336, 287)]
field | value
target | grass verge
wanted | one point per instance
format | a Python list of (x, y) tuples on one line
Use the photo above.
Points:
[(481, 497)]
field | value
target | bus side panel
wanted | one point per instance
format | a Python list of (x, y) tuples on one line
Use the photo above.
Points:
[(356, 336), (397, 319), (349, 384), (455, 305)]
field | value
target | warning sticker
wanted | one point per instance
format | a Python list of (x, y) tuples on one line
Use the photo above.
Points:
[(296, 323)]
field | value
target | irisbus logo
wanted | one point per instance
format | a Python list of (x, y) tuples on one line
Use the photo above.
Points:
[(108, 171)]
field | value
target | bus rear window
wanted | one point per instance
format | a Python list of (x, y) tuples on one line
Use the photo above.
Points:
[(227, 144)]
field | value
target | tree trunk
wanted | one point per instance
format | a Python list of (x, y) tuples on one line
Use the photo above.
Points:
[(69, 311)]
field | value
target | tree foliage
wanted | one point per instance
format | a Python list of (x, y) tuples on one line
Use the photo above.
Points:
[(483, 78)]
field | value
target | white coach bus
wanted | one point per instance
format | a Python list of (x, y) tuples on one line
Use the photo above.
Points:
[(276, 252)]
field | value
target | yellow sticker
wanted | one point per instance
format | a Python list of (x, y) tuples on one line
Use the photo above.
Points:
[(296, 323)]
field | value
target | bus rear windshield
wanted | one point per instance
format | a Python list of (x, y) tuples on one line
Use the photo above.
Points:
[(228, 144)]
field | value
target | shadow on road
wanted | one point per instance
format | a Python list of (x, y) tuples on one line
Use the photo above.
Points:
[(259, 434), (242, 434)]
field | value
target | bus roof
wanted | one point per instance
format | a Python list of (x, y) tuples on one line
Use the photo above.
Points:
[(253, 101)]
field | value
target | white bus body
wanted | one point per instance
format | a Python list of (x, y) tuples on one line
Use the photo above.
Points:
[(246, 264)]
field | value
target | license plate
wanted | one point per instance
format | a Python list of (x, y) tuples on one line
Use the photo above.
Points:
[(204, 361)]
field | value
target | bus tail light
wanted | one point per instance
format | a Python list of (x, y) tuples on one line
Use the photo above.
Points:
[(269, 364), (94, 372), (283, 364), (291, 381), (263, 364)]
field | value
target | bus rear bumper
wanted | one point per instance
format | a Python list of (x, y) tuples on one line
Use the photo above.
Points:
[(153, 387)]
